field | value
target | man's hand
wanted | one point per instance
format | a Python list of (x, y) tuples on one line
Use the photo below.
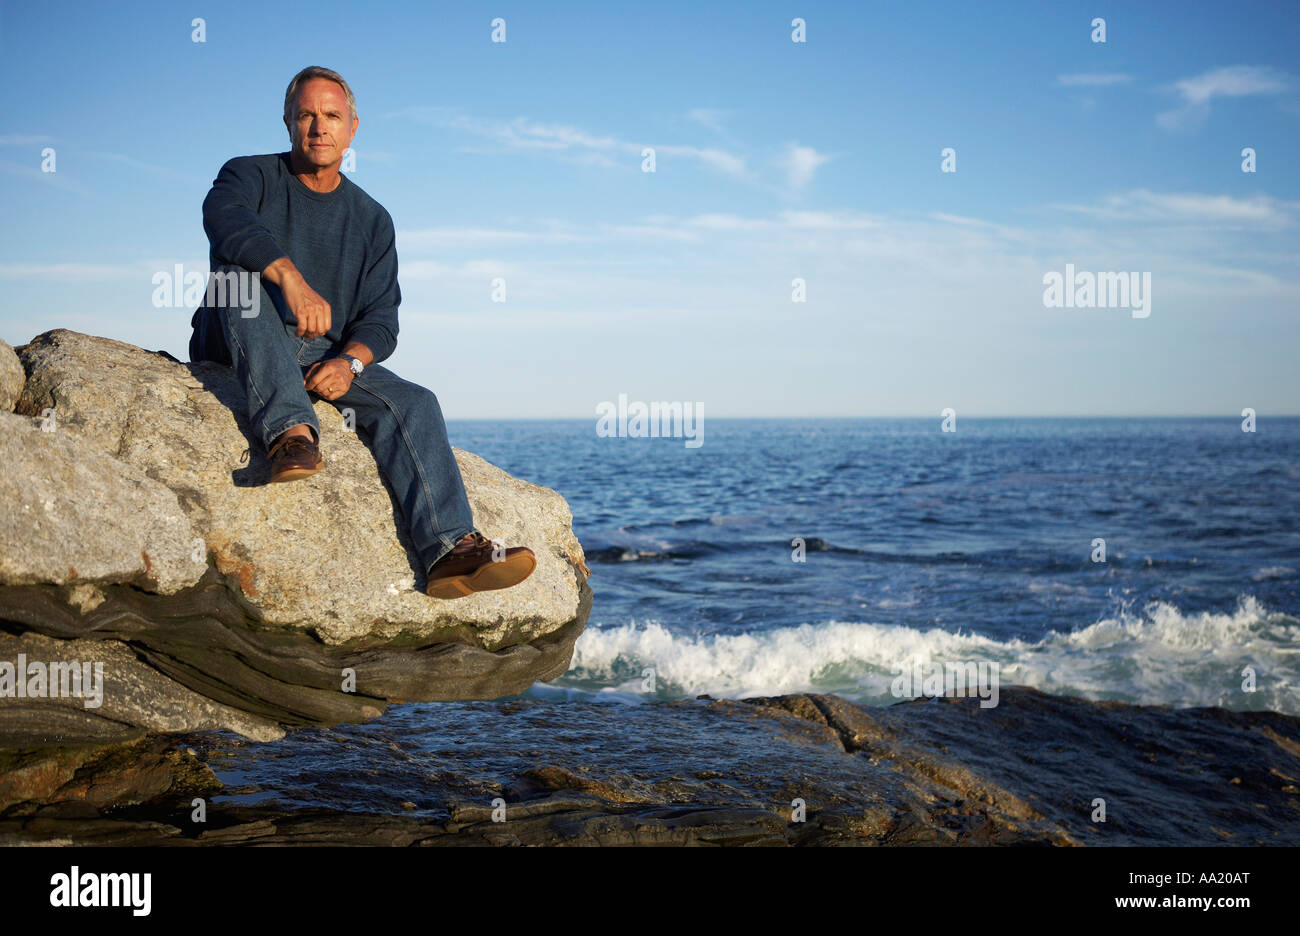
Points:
[(305, 304), (329, 379)]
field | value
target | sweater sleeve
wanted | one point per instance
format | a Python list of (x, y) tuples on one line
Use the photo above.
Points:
[(230, 218), (375, 323)]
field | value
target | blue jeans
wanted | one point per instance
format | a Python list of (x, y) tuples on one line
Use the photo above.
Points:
[(400, 421)]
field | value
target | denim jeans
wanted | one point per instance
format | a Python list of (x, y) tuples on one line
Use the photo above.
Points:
[(400, 421)]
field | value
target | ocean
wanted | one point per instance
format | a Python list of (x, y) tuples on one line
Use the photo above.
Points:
[(982, 544)]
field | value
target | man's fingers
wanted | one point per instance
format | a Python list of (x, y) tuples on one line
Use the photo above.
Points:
[(323, 382), (309, 307), (308, 325), (314, 377)]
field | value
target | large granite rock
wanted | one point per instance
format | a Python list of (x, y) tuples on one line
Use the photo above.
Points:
[(12, 377), (136, 511), (74, 515)]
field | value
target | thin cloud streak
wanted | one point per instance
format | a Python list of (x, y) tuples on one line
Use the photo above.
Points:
[(1192, 208), (1093, 79), (1199, 91), (572, 142)]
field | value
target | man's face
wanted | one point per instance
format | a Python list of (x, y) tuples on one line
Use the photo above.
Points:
[(321, 126)]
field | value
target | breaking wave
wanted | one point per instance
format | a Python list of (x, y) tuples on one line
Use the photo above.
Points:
[(1157, 655)]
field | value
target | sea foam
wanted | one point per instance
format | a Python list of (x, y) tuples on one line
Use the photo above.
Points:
[(1156, 655)]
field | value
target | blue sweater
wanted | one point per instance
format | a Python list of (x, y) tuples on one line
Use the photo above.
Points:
[(341, 241)]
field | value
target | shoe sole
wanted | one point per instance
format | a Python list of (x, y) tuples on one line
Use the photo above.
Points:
[(293, 474), (488, 577)]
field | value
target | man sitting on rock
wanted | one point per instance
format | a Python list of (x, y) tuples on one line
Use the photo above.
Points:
[(326, 262)]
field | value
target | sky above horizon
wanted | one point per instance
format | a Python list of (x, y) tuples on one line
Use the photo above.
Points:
[(774, 160)]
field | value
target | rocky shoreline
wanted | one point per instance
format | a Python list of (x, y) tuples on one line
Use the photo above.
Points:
[(702, 772)]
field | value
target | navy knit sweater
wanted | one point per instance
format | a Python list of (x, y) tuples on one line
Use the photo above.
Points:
[(341, 241)]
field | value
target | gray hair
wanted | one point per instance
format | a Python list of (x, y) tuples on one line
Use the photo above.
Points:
[(315, 71)]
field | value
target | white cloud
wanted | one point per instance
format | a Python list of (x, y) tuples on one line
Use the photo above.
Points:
[(433, 270), (708, 117), (525, 133), (651, 232), (730, 222), (1235, 81), (77, 272), (428, 238), (828, 220), (575, 144), (960, 219), (800, 164), (1093, 79), (1192, 208), (716, 158)]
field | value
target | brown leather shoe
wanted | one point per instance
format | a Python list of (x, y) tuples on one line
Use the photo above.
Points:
[(294, 457), (470, 568)]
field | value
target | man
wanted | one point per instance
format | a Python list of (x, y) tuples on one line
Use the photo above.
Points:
[(326, 262)]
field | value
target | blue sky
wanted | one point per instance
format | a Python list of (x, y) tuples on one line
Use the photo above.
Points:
[(774, 160)]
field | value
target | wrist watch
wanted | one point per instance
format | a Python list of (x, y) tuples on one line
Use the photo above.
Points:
[(357, 366)]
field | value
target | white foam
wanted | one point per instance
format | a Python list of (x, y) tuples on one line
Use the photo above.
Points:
[(1156, 656), (1273, 572)]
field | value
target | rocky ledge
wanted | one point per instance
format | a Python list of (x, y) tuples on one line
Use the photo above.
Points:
[(790, 770), (140, 541)]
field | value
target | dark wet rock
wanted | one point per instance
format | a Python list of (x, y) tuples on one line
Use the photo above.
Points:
[(1196, 776), (123, 696), (74, 783), (709, 772)]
